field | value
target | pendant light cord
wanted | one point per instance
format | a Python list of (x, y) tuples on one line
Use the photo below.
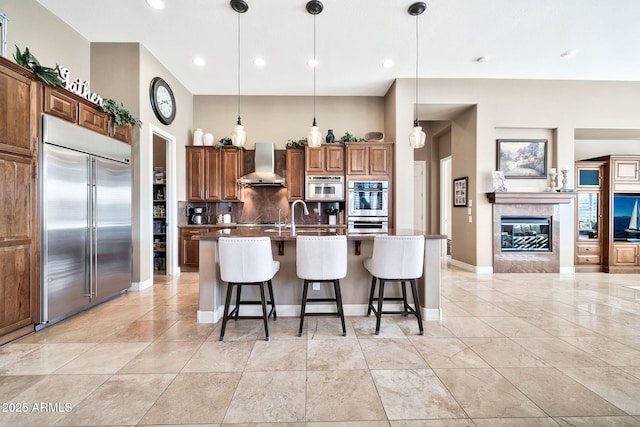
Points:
[(239, 121), (415, 106), (315, 65)]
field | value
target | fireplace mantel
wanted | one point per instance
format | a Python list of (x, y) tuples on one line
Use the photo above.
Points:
[(539, 198)]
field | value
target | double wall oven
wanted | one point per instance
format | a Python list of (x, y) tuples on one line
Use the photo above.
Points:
[(368, 204)]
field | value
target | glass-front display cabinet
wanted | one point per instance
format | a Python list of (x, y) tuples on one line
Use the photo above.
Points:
[(588, 255)]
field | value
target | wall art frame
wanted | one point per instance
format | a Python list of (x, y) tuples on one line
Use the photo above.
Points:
[(522, 158), (460, 188)]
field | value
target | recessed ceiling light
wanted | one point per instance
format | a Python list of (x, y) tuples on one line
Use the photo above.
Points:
[(156, 4), (312, 63), (199, 62), (259, 62), (569, 53), (482, 59), (387, 63)]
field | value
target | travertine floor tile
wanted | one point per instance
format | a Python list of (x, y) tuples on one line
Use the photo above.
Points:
[(275, 396), (365, 327), (187, 330), (557, 394), (106, 358), (434, 423), (614, 385), (397, 390), (606, 349), (161, 357), (597, 421), (122, 400), (447, 353), (40, 359), (140, 331), (469, 327), (503, 352), (220, 356), (327, 355), (324, 328), (557, 352), (240, 330), (484, 393), (194, 398), (398, 353), (284, 355), (342, 396), (514, 327)]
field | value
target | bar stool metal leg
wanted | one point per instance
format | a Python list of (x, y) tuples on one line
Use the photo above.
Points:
[(225, 316), (303, 306), (273, 301), (336, 287), (380, 300), (403, 286), (264, 312), (236, 310), (373, 287), (416, 302)]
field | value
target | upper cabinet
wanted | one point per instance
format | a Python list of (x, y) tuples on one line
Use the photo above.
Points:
[(626, 174), (328, 159), (295, 173), (212, 174), (369, 159), (19, 105)]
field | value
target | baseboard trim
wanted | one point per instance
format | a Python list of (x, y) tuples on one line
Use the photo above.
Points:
[(140, 286), (469, 267)]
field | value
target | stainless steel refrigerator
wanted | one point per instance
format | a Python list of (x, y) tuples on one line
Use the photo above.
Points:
[(86, 218)]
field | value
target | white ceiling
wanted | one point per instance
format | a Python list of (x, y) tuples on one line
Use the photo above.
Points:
[(522, 38)]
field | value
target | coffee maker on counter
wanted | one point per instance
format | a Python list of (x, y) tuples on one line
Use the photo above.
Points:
[(195, 215)]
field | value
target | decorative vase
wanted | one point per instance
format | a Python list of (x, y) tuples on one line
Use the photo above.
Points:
[(197, 137), (330, 139), (208, 138)]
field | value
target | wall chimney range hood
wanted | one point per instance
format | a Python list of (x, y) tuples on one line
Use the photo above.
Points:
[(263, 176)]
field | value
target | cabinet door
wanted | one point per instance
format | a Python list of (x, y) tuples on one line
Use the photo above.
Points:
[(123, 133), (232, 168), (60, 105), (625, 255), (357, 160), (212, 174), (93, 119), (19, 278), (379, 160), (15, 118), (295, 173), (190, 249), (334, 159), (195, 173), (314, 161), (588, 215), (626, 170)]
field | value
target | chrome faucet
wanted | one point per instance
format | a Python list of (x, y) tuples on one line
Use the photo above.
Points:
[(293, 214), (280, 223)]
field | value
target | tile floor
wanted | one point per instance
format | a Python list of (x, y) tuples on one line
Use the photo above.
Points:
[(511, 350)]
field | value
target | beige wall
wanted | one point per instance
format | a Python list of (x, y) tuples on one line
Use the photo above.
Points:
[(280, 118), (588, 149), (49, 39)]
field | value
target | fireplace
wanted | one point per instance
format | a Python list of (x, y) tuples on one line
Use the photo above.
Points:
[(526, 231), (525, 234)]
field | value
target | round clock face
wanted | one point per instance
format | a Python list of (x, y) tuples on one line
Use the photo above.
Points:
[(163, 102)]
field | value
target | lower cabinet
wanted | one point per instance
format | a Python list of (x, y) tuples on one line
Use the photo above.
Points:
[(190, 249), (588, 257), (625, 254)]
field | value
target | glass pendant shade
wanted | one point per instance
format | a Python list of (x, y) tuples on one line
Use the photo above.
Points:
[(314, 139), (238, 136), (417, 138)]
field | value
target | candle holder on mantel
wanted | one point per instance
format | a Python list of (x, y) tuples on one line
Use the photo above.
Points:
[(565, 172), (552, 179)]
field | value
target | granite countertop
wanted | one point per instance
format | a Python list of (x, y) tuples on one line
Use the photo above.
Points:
[(316, 230), (233, 224)]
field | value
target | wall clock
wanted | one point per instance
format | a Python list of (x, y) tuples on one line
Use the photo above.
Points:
[(163, 102)]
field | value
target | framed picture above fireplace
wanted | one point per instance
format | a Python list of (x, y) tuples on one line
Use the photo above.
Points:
[(522, 158)]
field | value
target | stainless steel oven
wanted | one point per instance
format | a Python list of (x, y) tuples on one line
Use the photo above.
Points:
[(368, 225), (324, 188), (368, 198)]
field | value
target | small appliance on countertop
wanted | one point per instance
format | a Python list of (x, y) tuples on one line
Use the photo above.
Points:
[(196, 215)]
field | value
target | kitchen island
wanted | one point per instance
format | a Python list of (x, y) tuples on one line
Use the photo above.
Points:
[(288, 288)]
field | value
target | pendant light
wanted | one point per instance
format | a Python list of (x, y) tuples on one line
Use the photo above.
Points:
[(417, 137), (239, 135), (314, 139)]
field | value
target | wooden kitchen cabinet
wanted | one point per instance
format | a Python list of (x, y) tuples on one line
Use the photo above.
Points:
[(189, 256), (67, 106), (295, 173), (626, 254), (20, 108), (232, 168), (369, 159), (588, 252), (212, 173), (328, 159)]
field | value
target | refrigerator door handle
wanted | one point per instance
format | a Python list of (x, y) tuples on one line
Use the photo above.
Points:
[(89, 244), (94, 230)]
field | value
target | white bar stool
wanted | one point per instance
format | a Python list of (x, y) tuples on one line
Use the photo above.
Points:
[(247, 261), (321, 259), (396, 259)]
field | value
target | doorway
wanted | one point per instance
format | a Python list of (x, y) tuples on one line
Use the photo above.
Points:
[(165, 229), (445, 203)]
